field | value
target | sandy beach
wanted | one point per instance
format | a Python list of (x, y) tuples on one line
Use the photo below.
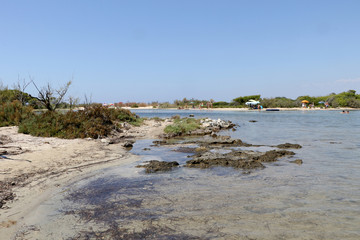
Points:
[(32, 168)]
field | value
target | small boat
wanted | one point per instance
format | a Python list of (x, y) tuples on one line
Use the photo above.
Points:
[(272, 109)]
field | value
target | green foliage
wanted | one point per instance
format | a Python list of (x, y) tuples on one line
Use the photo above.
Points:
[(12, 113), (10, 95), (344, 99), (183, 126), (278, 102), (157, 119), (138, 122), (94, 122), (242, 100), (221, 104)]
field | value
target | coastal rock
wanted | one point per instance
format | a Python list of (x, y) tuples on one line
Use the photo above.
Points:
[(289, 145), (190, 149), (235, 159), (273, 155), (128, 144), (221, 141), (297, 161), (207, 122), (158, 166), (211, 141)]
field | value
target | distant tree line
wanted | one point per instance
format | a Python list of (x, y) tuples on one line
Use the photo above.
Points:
[(54, 98), (344, 99)]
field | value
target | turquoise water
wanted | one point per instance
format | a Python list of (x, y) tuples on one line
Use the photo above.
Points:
[(319, 199)]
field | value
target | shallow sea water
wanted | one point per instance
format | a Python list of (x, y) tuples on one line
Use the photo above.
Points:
[(319, 199)]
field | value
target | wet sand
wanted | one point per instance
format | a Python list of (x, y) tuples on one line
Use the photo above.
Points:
[(33, 168)]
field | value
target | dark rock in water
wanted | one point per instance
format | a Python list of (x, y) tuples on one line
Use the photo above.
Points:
[(186, 149), (128, 144), (297, 161), (190, 149), (233, 159), (273, 155), (211, 141), (289, 145), (191, 115), (146, 149), (160, 142), (222, 141), (236, 159), (252, 121), (158, 166)]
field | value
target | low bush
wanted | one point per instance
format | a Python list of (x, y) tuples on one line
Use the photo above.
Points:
[(183, 126), (157, 119), (94, 122), (12, 113)]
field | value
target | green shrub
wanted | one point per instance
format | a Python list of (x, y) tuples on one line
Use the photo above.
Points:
[(157, 119), (242, 100), (94, 122), (183, 126), (12, 113), (221, 104)]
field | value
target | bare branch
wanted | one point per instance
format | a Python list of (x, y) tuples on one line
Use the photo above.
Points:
[(88, 100), (21, 86), (49, 97)]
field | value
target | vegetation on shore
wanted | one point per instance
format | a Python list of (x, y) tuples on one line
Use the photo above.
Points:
[(182, 125), (345, 99), (93, 122)]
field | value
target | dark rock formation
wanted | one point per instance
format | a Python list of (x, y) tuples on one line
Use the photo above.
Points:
[(288, 145), (297, 161), (236, 159), (158, 166)]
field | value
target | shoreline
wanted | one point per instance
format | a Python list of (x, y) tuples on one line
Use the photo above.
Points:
[(245, 109), (40, 167)]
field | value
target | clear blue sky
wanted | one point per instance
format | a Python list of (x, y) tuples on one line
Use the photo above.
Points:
[(145, 50)]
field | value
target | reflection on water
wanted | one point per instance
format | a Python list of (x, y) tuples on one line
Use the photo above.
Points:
[(317, 200)]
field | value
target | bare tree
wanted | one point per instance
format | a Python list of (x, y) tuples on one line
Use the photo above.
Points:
[(50, 97), (73, 101), (21, 86), (88, 100)]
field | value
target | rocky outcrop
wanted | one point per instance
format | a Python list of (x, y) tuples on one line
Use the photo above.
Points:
[(158, 166), (288, 145), (236, 159), (208, 127), (218, 124)]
